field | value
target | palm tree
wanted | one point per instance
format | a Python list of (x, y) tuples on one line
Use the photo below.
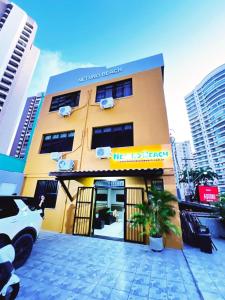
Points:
[(198, 175), (155, 216)]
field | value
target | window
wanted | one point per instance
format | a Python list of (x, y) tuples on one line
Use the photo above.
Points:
[(113, 136), (3, 96), (49, 189), (157, 184), (8, 207), (101, 197), (71, 99), (29, 25), (116, 90), (6, 81), (120, 198), (12, 63), (15, 58), (25, 33), (3, 88), (24, 38), (19, 47), (57, 142), (8, 75)]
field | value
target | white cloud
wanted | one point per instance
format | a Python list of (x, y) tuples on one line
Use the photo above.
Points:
[(51, 63)]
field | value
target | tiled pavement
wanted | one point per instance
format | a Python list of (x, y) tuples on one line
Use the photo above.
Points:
[(65, 267), (208, 270)]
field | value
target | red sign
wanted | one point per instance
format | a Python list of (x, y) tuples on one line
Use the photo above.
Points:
[(208, 193)]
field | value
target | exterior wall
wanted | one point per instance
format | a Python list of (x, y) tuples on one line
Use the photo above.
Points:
[(147, 87), (16, 95), (11, 175), (205, 106), (145, 108)]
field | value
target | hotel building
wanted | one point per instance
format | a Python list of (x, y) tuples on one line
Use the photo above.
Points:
[(101, 142), (18, 58), (26, 126), (206, 112)]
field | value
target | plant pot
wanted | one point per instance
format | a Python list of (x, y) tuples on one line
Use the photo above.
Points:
[(156, 244)]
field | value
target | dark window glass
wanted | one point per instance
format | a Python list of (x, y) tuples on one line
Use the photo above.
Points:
[(3, 96), (15, 58), (101, 197), (20, 48), (157, 184), (29, 25), (12, 63), (6, 81), (8, 75), (120, 197), (113, 136), (116, 90), (11, 69), (3, 88), (8, 207), (27, 29), (57, 142), (23, 38), (71, 99), (18, 53), (48, 188), (25, 33)]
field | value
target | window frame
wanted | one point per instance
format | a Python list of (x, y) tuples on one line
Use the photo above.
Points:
[(62, 139), (114, 86), (93, 143), (54, 99)]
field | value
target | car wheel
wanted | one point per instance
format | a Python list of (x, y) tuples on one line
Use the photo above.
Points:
[(23, 246), (12, 292)]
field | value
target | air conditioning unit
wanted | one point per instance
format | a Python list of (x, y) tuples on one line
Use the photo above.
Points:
[(65, 164), (56, 156), (106, 103), (65, 111), (103, 152)]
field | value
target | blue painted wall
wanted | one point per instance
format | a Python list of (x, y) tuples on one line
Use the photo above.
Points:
[(84, 76)]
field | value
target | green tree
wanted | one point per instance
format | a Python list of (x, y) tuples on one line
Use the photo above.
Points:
[(198, 175), (155, 216)]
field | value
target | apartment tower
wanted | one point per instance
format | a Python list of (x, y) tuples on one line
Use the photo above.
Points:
[(206, 112), (18, 58)]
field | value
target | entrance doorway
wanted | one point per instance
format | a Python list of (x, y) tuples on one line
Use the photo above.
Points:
[(105, 211), (109, 210)]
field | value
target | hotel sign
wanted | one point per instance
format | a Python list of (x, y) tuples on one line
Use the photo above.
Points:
[(114, 70), (142, 157)]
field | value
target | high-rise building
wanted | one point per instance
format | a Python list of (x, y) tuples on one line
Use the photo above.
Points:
[(184, 155), (206, 112), (26, 125), (18, 58), (183, 160)]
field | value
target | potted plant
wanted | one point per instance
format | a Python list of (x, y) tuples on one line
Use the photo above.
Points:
[(155, 217)]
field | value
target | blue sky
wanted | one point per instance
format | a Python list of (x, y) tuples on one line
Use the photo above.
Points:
[(189, 33)]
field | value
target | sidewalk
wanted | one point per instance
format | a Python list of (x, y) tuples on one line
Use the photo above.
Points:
[(208, 270), (66, 267)]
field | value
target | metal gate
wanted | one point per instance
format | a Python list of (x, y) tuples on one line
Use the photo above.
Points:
[(133, 196), (83, 211)]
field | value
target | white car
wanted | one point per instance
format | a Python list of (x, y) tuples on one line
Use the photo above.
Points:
[(20, 220)]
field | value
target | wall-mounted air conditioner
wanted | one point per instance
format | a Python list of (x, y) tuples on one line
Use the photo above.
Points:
[(106, 103), (65, 111), (103, 152), (56, 156), (65, 165)]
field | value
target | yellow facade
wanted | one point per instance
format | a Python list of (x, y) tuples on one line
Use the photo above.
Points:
[(145, 108)]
